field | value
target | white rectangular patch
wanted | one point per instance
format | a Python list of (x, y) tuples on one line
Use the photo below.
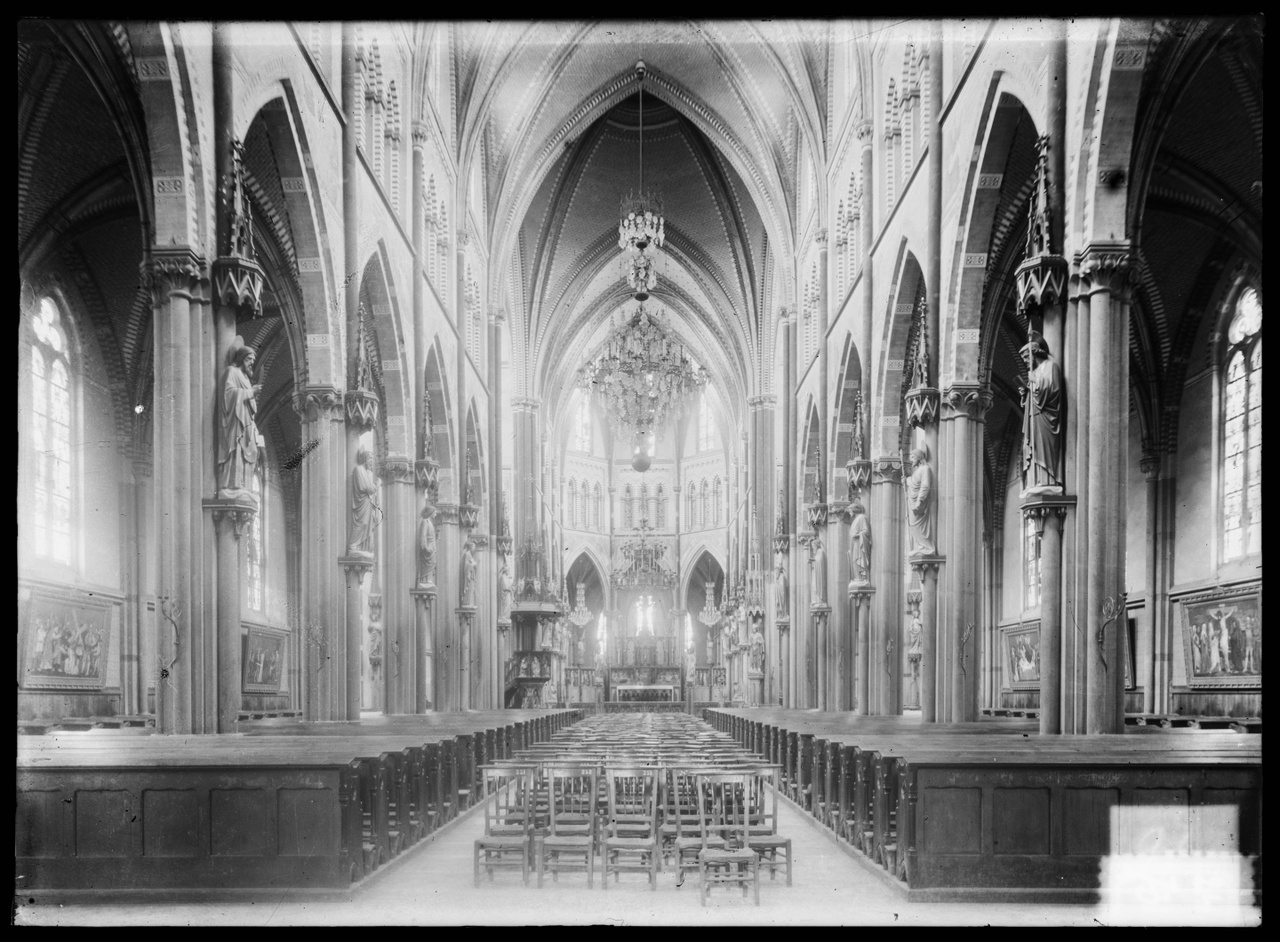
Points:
[(975, 260), (169, 186), (381, 309), (891, 421), (153, 69), (395, 421), (317, 340), (894, 365), (902, 309), (309, 266), (1130, 58), (990, 181), (389, 365), (293, 184), (968, 335)]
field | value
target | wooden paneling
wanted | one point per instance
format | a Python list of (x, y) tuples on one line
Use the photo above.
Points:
[(1020, 821)]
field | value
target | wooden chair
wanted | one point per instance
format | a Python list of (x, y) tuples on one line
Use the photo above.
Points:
[(762, 814), (683, 837), (724, 800), (631, 841), (569, 843), (508, 819)]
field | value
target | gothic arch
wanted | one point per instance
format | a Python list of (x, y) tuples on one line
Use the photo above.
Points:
[(848, 405), (907, 286), (382, 310), (438, 439)]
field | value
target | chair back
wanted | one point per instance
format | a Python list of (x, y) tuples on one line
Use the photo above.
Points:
[(633, 800), (724, 801), (508, 799), (572, 799)]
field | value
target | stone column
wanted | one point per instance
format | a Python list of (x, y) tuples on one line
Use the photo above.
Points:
[(355, 568), (927, 568), (445, 644), (884, 685), (398, 574), (865, 133), (231, 519), (1048, 514), (784, 541), (839, 639), (424, 663), (466, 615), (860, 602), (1104, 274), (182, 445)]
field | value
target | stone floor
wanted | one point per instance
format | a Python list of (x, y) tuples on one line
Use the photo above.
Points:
[(431, 884)]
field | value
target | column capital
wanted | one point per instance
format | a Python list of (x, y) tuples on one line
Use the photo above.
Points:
[(865, 132), (464, 238), (1150, 464), (317, 402), (1104, 266), (820, 238), (1041, 282), (448, 514), (1038, 509), (240, 511), (923, 564), (497, 314), (886, 469), (762, 402), (971, 400), (786, 314), (173, 269), (525, 404), (922, 406), (397, 469), (419, 131), (360, 566)]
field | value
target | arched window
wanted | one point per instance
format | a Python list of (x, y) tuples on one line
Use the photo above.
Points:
[(598, 501), (706, 434), (689, 508), (643, 513), (257, 548), (51, 416), (582, 429), (706, 504), (1242, 430), (660, 517), (582, 506), (715, 501), (573, 503), (1030, 564), (628, 516)]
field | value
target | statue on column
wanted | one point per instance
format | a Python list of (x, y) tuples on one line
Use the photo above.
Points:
[(427, 547), (915, 651), (859, 544), (364, 506), (1044, 408), (711, 648), (468, 595), (919, 485), (781, 594), (818, 572), (690, 666), (757, 649), (238, 434), (504, 589)]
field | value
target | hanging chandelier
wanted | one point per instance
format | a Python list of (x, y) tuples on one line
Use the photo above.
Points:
[(644, 564), (642, 377), (641, 228), (581, 614), (710, 614)]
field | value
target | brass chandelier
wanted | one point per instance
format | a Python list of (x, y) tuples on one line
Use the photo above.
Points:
[(641, 228)]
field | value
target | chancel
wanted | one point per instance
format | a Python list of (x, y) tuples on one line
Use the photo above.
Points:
[(640, 450)]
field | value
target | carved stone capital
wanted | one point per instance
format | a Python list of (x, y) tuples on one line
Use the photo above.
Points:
[(865, 132), (926, 564), (757, 403), (1038, 508), (361, 566), (525, 404), (313, 403), (424, 596), (239, 511), (448, 514), (497, 314), (1150, 465), (858, 472), (820, 238), (886, 469), (786, 314), (1104, 266), (419, 132), (173, 270), (922, 406), (397, 470), (464, 238), (970, 400)]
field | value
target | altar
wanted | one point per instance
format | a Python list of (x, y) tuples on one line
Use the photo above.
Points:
[(645, 693)]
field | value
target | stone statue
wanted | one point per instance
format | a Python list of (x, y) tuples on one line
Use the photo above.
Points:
[(690, 666), (919, 485), (915, 651), (711, 648), (364, 506), (237, 433), (859, 544), (468, 595), (757, 650), (581, 648), (818, 572), (781, 595), (1044, 412), (427, 547), (504, 590)]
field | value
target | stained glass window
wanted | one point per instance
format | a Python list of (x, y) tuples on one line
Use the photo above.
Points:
[(1242, 431), (51, 435), (1031, 563), (256, 550)]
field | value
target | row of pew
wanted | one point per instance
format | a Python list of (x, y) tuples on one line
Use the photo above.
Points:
[(994, 804), (310, 804)]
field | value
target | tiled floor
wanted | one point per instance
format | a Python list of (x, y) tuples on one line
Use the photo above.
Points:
[(432, 884)]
